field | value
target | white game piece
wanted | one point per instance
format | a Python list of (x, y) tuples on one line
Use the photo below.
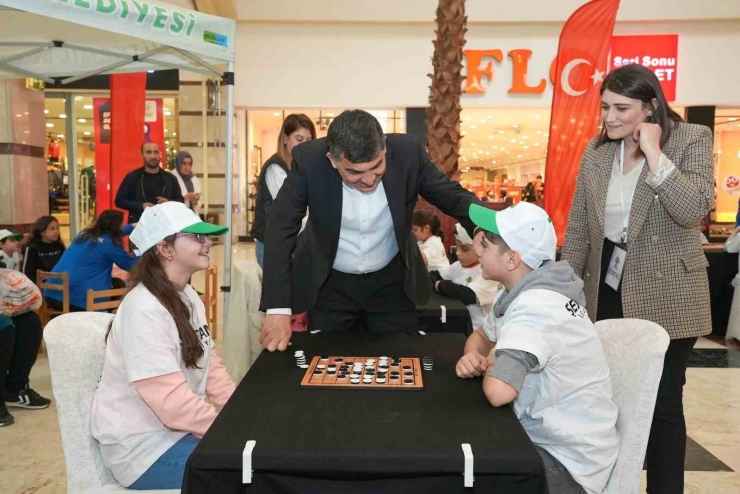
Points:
[(247, 462), (298, 353), (303, 366), (422, 333), (380, 380), (320, 366), (315, 331)]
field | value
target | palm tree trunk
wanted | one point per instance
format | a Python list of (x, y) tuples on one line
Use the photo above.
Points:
[(443, 115)]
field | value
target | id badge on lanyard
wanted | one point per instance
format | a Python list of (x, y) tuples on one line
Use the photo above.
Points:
[(616, 264)]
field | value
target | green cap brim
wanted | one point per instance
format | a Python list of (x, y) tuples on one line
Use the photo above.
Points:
[(204, 228), (484, 218), (15, 236)]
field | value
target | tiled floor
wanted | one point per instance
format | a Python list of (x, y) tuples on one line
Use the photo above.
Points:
[(32, 460)]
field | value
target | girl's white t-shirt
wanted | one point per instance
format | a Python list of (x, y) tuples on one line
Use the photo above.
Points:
[(143, 343), (434, 249), (472, 277)]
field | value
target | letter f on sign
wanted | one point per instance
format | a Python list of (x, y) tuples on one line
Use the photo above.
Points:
[(476, 72)]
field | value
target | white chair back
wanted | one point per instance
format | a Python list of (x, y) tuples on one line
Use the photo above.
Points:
[(76, 347), (241, 336), (634, 351)]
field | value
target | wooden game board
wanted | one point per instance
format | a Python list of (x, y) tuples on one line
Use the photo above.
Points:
[(409, 369)]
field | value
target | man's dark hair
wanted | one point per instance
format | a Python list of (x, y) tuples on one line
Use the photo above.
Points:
[(356, 136), (141, 150)]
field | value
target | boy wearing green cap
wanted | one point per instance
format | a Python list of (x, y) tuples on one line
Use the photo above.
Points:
[(9, 248), (549, 360)]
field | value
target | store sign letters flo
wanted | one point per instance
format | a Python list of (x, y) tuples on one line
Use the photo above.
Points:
[(659, 53)]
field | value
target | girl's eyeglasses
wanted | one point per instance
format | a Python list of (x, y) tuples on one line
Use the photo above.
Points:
[(199, 237)]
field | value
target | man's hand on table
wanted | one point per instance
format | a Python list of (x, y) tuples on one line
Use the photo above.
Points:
[(472, 364), (276, 332)]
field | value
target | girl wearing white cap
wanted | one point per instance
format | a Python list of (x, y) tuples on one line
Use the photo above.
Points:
[(160, 363), (464, 281)]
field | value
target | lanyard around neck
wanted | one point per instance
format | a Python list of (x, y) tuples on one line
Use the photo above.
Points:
[(625, 210)]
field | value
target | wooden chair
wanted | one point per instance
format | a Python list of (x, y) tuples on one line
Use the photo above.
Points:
[(210, 299), (108, 305), (46, 313)]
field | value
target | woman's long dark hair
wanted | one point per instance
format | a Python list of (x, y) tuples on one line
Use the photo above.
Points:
[(424, 218), (293, 122), (150, 273), (638, 82), (109, 223), (38, 228)]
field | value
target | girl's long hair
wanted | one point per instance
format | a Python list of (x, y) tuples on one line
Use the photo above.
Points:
[(150, 273), (38, 228), (109, 223), (293, 122)]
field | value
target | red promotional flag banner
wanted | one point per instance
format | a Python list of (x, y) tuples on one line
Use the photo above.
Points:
[(128, 108), (581, 67)]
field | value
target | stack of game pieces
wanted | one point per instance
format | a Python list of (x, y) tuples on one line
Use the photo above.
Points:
[(300, 359), (428, 363)]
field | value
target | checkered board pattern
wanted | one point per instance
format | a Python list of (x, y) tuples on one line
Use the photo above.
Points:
[(364, 373)]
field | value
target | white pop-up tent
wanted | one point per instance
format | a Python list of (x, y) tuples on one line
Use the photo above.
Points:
[(63, 41)]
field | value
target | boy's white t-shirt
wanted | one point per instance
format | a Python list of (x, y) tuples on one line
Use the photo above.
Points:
[(566, 405), (143, 343), (434, 249), (472, 277), (11, 262)]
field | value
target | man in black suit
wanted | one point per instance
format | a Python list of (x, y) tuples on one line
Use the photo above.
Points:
[(356, 264)]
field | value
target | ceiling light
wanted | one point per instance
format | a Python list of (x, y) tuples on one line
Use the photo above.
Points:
[(473, 127), (516, 126), (167, 142), (482, 120), (490, 116), (491, 137), (521, 142), (503, 148), (525, 137), (536, 144), (88, 107), (78, 98), (467, 119), (495, 147), (732, 119), (719, 152), (501, 131), (547, 135), (538, 132), (167, 113), (329, 114), (81, 120), (174, 133), (60, 136), (519, 156), (87, 133), (50, 125), (526, 147), (64, 100), (494, 162), (150, 71), (472, 144), (62, 115), (488, 153), (537, 117), (513, 141), (46, 112)]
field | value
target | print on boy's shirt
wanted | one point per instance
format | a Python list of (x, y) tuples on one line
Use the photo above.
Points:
[(575, 309), (205, 336)]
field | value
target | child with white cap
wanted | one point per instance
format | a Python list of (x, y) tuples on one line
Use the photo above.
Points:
[(464, 281), (549, 358), (9, 248), (160, 363)]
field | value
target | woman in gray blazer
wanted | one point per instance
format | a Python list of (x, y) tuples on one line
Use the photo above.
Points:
[(643, 187)]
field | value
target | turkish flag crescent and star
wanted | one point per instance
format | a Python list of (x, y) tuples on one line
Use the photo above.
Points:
[(576, 103)]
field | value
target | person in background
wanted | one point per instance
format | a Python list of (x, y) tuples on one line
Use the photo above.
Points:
[(297, 128), (189, 183), (90, 258), (643, 186), (491, 195), (464, 279), (20, 338), (732, 245), (9, 248), (148, 185), (149, 410), (539, 190), (426, 228), (44, 248)]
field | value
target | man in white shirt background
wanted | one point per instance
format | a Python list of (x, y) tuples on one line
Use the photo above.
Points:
[(356, 265)]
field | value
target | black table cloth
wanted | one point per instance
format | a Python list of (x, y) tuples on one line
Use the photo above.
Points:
[(458, 316), (329, 441)]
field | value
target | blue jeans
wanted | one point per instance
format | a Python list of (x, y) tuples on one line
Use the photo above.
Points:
[(167, 472), (260, 248)]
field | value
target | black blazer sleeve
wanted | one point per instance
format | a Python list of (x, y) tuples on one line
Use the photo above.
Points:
[(287, 212), (125, 196), (448, 196)]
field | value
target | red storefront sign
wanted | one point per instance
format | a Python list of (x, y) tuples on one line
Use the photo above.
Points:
[(659, 53)]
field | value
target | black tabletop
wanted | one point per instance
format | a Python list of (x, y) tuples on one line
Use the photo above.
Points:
[(457, 315), (346, 441)]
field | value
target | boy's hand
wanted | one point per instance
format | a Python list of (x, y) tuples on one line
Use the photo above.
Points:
[(472, 364)]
